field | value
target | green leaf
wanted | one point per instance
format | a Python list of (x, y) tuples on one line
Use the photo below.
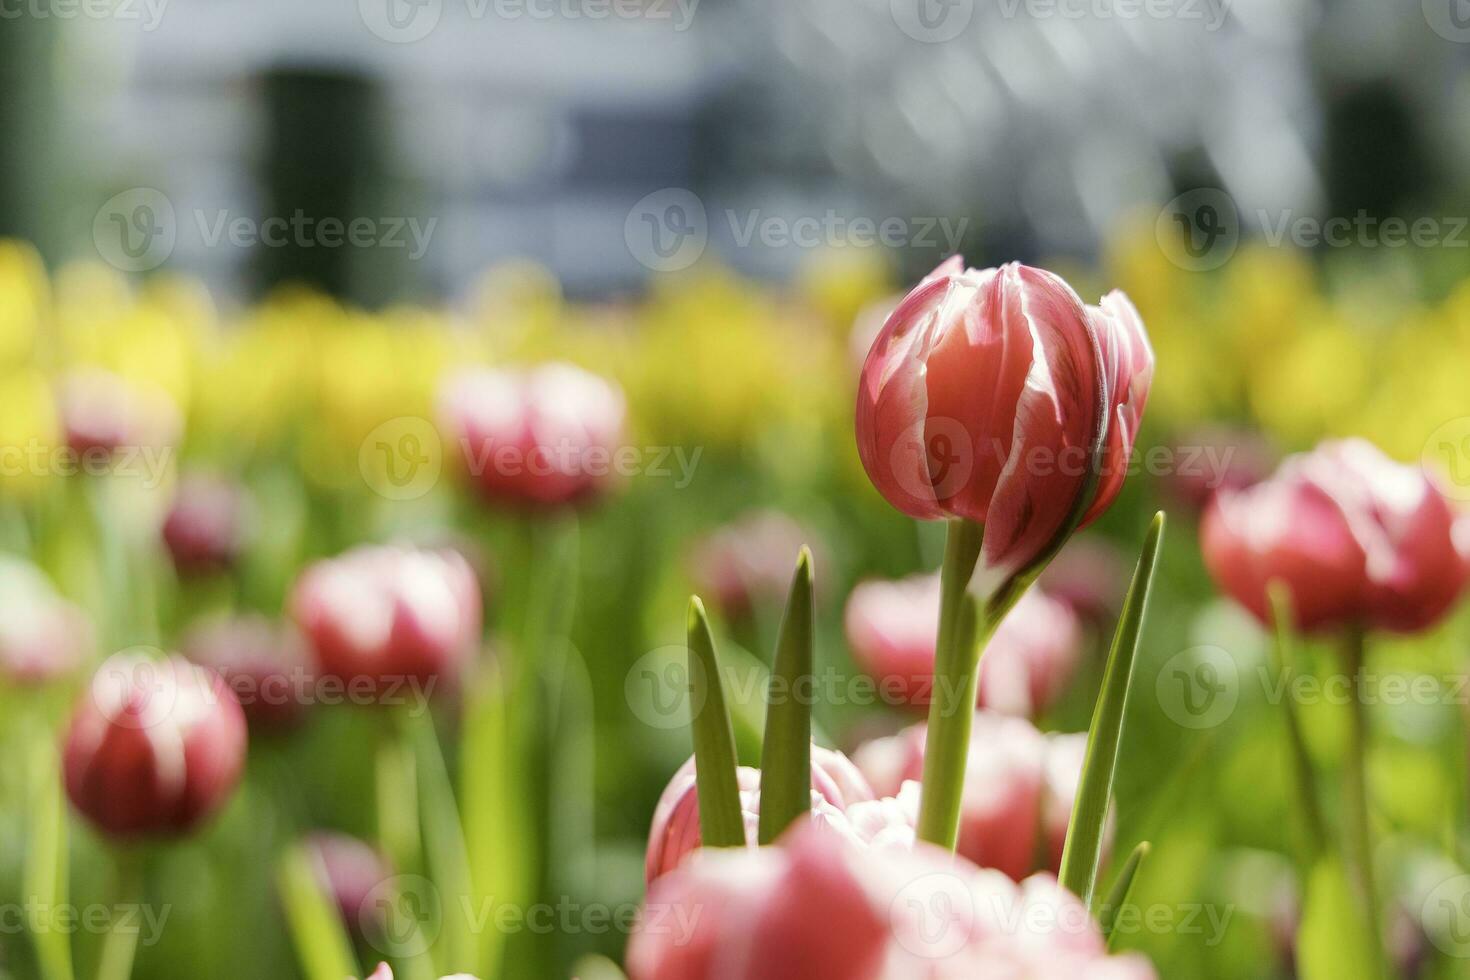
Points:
[(1314, 829), (720, 823), (46, 859), (1083, 848), (786, 755), (1331, 941), (598, 968), (1122, 887), (314, 921), (445, 855)]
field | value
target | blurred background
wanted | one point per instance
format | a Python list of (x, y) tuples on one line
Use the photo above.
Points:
[(294, 220)]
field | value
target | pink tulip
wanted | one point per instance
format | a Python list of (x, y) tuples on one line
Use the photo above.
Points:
[(992, 395), (42, 635), (892, 629), (817, 906), (1018, 793), (264, 662), (398, 620), (1355, 538), (1091, 575), (350, 871), (102, 413), (205, 527), (543, 437), (675, 834), (748, 562), (385, 972), (154, 747), (1215, 458)]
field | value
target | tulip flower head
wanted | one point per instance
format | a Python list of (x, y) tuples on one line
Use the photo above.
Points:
[(385, 972), (997, 396), (264, 662), (42, 635), (675, 834), (205, 526), (815, 906), (545, 437), (892, 630), (350, 871), (103, 413), (1355, 538), (400, 620), (748, 561), (154, 746)]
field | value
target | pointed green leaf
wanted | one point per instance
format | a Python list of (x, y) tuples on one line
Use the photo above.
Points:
[(1083, 848), (315, 924), (46, 861), (445, 854), (786, 754), (720, 824), (1122, 886), (1314, 830)]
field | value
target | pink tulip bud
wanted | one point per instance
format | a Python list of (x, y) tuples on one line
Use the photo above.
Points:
[(1091, 575), (42, 636), (818, 906), (350, 871), (994, 395), (102, 413), (398, 620), (675, 834), (748, 562), (265, 663), (544, 437), (385, 972), (1214, 458), (892, 630), (1353, 536), (154, 746), (205, 527)]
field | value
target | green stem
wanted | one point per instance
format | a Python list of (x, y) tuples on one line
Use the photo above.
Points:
[(1357, 832), (1314, 825), (116, 962), (397, 795), (952, 699)]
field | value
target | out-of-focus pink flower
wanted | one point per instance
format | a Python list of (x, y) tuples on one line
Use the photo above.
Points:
[(1214, 458), (1018, 793), (42, 635), (102, 413), (390, 617), (350, 871), (892, 629), (154, 746), (748, 562), (205, 527), (264, 662), (818, 906), (1355, 537), (675, 833), (992, 395), (544, 437), (385, 972), (1091, 575)]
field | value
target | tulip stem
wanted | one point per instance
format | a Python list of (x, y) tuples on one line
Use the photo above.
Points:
[(952, 699), (1305, 780), (1356, 830), (116, 962)]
